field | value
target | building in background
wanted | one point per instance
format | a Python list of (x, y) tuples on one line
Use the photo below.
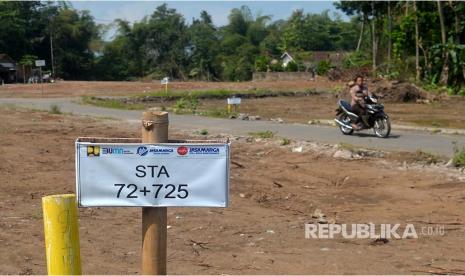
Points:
[(7, 69)]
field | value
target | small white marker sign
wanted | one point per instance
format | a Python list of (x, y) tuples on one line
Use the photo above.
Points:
[(40, 63), (165, 80), (234, 100)]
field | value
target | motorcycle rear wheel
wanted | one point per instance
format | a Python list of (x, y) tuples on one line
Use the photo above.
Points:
[(346, 120)]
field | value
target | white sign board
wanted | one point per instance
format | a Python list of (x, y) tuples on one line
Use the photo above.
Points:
[(165, 80), (40, 63), (234, 100), (136, 175)]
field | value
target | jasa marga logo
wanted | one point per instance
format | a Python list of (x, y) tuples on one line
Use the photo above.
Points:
[(142, 151), (93, 150)]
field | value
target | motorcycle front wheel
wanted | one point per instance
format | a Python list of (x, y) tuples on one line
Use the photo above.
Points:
[(382, 127), (346, 120)]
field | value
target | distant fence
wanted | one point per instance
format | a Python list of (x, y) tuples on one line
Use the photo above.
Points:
[(288, 76)]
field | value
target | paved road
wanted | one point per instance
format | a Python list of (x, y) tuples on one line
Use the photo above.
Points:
[(399, 140)]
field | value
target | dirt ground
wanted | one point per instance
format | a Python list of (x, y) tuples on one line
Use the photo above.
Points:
[(119, 88), (273, 193), (445, 113)]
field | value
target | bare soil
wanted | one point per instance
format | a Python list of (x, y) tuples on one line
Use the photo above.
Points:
[(445, 113), (273, 193), (442, 112), (118, 88)]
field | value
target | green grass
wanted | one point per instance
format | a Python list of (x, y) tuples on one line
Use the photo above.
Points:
[(347, 146), (214, 113), (426, 157), (111, 103), (262, 134), (459, 156), (10, 106), (186, 104), (438, 123), (203, 94), (54, 109), (203, 132), (219, 93), (285, 142), (105, 118)]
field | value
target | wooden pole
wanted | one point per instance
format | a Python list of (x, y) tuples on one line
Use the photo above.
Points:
[(61, 234), (154, 219)]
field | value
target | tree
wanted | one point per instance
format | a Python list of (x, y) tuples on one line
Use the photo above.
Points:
[(389, 47), (74, 59), (240, 43), (203, 48), (20, 30), (370, 11), (417, 43), (166, 41), (445, 68), (27, 61)]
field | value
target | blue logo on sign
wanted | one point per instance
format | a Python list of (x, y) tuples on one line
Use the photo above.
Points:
[(142, 151), (112, 151)]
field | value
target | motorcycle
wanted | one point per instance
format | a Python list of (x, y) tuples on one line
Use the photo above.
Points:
[(375, 117)]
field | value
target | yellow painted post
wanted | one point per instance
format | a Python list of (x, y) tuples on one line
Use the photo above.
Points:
[(61, 234), (229, 108)]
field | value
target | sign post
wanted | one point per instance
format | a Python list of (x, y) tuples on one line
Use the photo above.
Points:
[(165, 82), (155, 174), (154, 219), (40, 63), (234, 101)]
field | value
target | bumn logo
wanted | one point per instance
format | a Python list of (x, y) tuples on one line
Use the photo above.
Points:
[(182, 150)]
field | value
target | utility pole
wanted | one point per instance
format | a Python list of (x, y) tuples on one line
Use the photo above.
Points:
[(51, 54), (51, 45)]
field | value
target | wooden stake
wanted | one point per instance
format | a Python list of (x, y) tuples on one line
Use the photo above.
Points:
[(154, 219)]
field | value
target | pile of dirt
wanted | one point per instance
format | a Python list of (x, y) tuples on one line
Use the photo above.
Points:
[(399, 92)]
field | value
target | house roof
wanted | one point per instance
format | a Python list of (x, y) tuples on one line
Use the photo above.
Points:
[(7, 63), (6, 58), (286, 54)]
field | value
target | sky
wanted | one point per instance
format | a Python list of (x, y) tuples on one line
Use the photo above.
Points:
[(106, 11)]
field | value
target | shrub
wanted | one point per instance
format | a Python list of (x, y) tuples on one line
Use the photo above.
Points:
[(459, 156), (54, 109), (180, 104), (276, 67), (356, 59), (323, 67), (190, 103), (261, 64), (426, 157), (262, 134), (204, 132), (285, 142), (292, 67)]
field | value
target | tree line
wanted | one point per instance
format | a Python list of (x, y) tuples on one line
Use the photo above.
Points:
[(164, 44), (420, 40)]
